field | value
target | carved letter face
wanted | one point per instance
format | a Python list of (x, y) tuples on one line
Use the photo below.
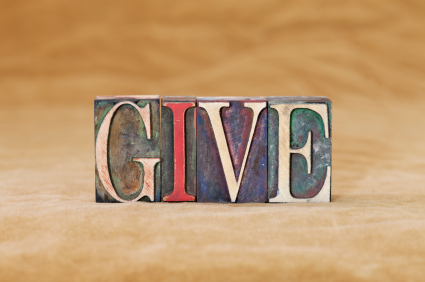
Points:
[(127, 134), (178, 149), (299, 149), (232, 150)]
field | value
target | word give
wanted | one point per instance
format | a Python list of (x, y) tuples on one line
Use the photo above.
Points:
[(213, 150)]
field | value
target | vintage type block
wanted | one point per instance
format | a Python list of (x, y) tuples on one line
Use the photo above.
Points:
[(178, 149), (232, 150), (127, 134), (300, 145)]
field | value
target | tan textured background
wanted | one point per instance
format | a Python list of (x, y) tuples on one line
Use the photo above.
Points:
[(367, 56)]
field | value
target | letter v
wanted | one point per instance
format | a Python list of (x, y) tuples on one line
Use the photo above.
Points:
[(213, 110)]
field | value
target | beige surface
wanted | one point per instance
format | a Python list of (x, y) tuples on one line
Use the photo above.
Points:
[(367, 56)]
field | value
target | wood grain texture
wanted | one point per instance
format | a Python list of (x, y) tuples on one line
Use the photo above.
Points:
[(367, 56), (127, 132), (232, 150), (178, 149)]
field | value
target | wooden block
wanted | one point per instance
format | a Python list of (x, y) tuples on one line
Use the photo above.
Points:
[(300, 149), (178, 149), (127, 134), (231, 150)]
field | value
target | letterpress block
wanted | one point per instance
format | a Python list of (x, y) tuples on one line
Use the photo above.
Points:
[(300, 148), (178, 149), (232, 150), (127, 147)]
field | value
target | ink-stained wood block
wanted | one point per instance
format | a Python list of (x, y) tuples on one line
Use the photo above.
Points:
[(300, 149), (178, 149), (231, 150), (127, 147)]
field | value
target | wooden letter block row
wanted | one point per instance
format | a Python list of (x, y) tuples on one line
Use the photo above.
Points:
[(213, 150)]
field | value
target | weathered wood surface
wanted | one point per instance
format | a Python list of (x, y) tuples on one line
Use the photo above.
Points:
[(231, 150), (127, 145), (300, 149), (224, 149), (178, 149)]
